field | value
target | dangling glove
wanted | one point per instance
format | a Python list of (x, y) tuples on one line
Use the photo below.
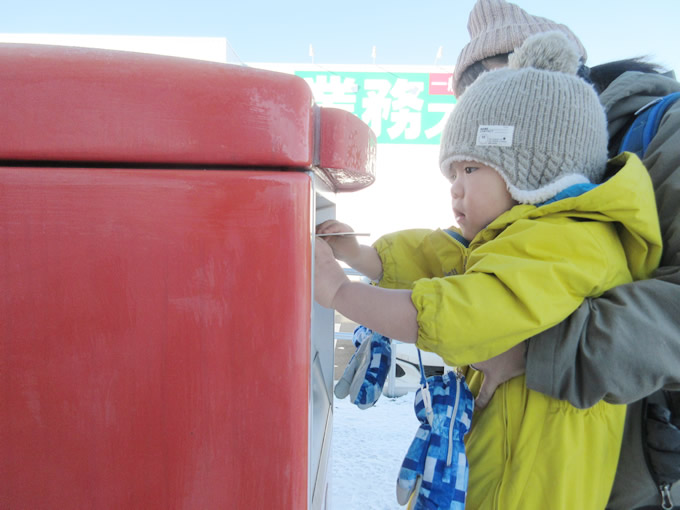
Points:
[(365, 375), (435, 467)]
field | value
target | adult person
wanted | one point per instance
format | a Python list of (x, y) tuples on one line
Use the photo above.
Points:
[(624, 345)]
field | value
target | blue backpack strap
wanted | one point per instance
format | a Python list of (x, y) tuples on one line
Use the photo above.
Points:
[(644, 127)]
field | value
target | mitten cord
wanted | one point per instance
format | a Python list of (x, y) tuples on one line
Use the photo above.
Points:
[(425, 391), (449, 455)]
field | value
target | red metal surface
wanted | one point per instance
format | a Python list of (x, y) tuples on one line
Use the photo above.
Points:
[(77, 104), (154, 342), (347, 150), (102, 106), (154, 318)]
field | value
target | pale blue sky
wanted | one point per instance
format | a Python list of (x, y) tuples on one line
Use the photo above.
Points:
[(404, 32)]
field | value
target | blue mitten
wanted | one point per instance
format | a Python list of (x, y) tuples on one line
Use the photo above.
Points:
[(365, 375), (435, 467)]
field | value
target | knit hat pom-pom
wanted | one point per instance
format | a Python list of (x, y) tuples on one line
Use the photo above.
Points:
[(549, 51)]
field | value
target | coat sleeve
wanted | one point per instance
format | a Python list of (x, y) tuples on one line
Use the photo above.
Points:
[(404, 258), (625, 344), (523, 282)]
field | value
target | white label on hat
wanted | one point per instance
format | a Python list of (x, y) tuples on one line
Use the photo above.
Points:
[(495, 136)]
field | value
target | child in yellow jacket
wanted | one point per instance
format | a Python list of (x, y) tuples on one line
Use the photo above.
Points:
[(539, 231)]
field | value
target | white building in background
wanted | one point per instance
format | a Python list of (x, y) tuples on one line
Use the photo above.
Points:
[(406, 106), (213, 49)]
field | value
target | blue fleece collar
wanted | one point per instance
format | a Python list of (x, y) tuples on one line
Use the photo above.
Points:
[(458, 237), (570, 192)]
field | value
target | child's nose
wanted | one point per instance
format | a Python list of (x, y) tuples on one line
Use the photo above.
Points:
[(457, 189)]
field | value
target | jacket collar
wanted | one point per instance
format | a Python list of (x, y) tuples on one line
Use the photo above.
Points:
[(630, 92)]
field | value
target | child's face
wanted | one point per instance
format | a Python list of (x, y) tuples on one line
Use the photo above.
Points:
[(478, 195)]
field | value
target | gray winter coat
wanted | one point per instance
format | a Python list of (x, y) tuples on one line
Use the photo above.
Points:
[(625, 345)]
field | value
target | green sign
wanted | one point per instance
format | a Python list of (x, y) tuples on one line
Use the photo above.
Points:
[(405, 108)]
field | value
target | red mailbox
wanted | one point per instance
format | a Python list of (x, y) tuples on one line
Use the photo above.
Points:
[(159, 343)]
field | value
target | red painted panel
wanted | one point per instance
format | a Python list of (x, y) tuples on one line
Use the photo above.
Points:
[(154, 343), (83, 105), (347, 150), (77, 104)]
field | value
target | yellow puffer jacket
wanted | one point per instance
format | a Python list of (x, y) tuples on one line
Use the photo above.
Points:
[(528, 270)]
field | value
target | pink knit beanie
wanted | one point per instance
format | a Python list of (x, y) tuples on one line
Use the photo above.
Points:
[(497, 27)]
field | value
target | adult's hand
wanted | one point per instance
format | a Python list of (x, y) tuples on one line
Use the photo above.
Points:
[(498, 370)]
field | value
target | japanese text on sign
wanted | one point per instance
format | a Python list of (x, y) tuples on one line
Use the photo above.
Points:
[(398, 108)]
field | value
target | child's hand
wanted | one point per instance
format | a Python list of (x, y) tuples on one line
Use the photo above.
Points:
[(328, 275), (345, 248)]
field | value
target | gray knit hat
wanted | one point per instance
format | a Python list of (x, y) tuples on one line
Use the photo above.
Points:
[(498, 27), (539, 125)]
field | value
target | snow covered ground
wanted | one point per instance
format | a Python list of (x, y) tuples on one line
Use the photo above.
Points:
[(367, 451)]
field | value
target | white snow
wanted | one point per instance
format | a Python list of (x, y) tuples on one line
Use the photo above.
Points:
[(367, 450)]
